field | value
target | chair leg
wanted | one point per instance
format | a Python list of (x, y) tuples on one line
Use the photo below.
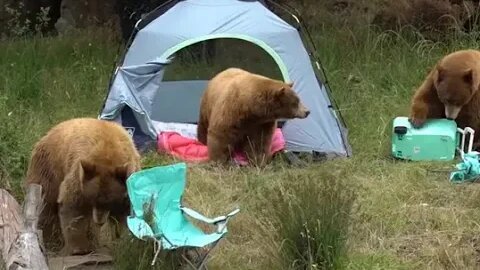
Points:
[(195, 257), (156, 250), (188, 262), (204, 259)]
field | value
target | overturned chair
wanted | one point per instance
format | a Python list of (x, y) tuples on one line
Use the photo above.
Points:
[(157, 212)]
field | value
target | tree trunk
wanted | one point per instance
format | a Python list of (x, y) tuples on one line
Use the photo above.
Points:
[(19, 239)]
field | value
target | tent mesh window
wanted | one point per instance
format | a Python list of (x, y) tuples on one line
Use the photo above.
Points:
[(204, 59)]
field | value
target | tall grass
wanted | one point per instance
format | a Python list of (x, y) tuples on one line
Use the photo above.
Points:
[(312, 213), (135, 254)]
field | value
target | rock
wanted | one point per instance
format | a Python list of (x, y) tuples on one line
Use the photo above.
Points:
[(76, 14)]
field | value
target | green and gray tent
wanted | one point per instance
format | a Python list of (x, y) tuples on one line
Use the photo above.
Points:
[(139, 97)]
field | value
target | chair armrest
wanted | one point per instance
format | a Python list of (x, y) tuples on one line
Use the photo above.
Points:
[(220, 221)]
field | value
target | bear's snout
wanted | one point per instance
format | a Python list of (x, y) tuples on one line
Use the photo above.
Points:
[(303, 112), (100, 217), (451, 112)]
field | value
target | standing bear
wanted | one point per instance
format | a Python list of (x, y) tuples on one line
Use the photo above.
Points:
[(450, 91), (239, 111), (82, 165)]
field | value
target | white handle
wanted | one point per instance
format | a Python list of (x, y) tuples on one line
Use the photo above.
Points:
[(470, 143)]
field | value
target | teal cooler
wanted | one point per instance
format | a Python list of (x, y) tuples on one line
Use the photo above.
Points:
[(437, 139)]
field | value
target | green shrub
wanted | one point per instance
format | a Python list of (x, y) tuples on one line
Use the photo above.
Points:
[(312, 213)]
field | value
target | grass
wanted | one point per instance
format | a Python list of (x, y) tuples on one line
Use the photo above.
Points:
[(312, 213), (376, 213)]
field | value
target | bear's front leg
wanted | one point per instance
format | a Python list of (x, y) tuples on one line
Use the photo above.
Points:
[(425, 103), (418, 114), (219, 149), (75, 224), (426, 107), (49, 224), (258, 143)]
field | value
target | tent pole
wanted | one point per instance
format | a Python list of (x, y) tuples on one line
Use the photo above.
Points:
[(292, 11), (117, 63)]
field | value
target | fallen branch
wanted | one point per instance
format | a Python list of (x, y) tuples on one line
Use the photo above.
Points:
[(19, 239)]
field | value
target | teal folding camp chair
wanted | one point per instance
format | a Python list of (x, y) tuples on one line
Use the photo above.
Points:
[(159, 191)]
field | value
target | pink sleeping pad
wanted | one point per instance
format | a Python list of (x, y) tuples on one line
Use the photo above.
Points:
[(191, 150)]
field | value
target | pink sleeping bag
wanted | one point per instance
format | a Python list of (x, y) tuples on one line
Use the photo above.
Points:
[(191, 150)]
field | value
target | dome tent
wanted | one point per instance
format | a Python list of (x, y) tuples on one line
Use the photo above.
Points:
[(138, 96)]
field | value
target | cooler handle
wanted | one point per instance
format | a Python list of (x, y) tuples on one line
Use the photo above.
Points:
[(470, 143)]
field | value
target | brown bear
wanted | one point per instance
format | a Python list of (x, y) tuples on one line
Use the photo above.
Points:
[(239, 111), (82, 165), (450, 91)]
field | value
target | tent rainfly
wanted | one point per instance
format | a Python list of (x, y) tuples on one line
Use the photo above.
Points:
[(139, 98)]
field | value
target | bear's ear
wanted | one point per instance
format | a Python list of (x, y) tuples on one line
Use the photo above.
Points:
[(122, 173), (472, 78), (440, 73), (290, 84), (280, 93), (89, 170), (468, 76)]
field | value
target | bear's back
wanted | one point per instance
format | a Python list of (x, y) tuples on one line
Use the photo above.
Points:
[(237, 83), (99, 141)]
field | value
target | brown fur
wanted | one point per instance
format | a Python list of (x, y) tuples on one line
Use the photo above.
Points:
[(82, 165), (450, 86), (239, 110)]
